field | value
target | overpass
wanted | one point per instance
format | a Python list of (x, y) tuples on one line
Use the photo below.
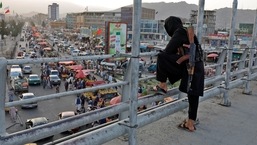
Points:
[(216, 123)]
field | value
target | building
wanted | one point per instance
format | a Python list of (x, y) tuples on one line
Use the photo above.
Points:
[(151, 30), (209, 21), (97, 20), (71, 20), (127, 15), (58, 24), (53, 11), (40, 18), (93, 20)]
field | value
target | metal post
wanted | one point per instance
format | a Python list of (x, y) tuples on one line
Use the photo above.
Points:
[(3, 67), (134, 71), (247, 89), (200, 20), (226, 101)]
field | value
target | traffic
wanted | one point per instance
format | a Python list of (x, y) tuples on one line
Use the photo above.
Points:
[(35, 80)]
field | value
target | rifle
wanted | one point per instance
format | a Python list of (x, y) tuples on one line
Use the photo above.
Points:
[(190, 56)]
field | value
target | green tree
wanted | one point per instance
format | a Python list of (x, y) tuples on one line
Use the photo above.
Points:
[(32, 24), (2, 28), (43, 24)]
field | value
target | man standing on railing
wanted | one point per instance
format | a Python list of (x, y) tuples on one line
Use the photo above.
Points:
[(169, 68)]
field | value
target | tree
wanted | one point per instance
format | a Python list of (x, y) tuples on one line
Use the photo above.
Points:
[(3, 30), (43, 24), (32, 24)]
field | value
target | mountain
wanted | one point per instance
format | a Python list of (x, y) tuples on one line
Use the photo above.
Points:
[(183, 10)]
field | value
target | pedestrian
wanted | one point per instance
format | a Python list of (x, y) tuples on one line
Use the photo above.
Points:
[(78, 103), (169, 68), (11, 95), (57, 89), (13, 113), (83, 99), (44, 82), (66, 86)]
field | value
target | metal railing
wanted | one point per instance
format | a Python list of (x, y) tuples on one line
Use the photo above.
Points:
[(219, 84)]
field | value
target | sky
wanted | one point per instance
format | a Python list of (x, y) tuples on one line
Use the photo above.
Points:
[(26, 6)]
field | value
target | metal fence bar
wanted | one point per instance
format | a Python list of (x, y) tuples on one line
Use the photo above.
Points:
[(200, 15), (107, 133), (136, 22), (254, 35), (64, 94), (77, 58), (226, 101), (3, 66)]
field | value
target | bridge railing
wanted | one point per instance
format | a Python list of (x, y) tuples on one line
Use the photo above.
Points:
[(214, 86)]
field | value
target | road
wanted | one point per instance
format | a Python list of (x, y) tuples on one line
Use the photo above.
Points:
[(49, 109)]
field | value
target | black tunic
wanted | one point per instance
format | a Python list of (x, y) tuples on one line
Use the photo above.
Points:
[(167, 67)]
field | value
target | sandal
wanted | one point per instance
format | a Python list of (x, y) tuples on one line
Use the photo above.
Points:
[(159, 90), (184, 127), (196, 122)]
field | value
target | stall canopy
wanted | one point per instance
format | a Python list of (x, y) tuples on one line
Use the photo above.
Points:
[(80, 74), (42, 43), (115, 100), (67, 63), (48, 48), (76, 67), (212, 55)]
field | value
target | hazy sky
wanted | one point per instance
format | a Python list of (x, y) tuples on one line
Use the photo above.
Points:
[(25, 6)]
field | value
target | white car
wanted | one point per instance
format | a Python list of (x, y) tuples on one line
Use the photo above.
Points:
[(28, 96), (75, 52), (27, 69), (83, 53)]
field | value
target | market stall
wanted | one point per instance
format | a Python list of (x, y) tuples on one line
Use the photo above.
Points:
[(75, 67)]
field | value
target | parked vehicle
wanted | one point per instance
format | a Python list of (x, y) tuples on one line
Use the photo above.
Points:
[(55, 80), (67, 114), (28, 96), (34, 79)]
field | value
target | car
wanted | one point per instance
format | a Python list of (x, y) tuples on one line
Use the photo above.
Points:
[(34, 79), (66, 114), (55, 80), (83, 53), (28, 96), (15, 66), (27, 69), (75, 52), (21, 39), (23, 49), (33, 55), (26, 55), (20, 84), (54, 72), (34, 122)]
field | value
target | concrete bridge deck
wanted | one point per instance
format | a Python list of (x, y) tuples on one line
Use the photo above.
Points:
[(219, 125)]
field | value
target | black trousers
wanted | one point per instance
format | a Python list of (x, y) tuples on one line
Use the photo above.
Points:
[(193, 106), (167, 68)]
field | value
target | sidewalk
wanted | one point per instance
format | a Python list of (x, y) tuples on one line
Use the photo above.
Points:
[(235, 125)]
